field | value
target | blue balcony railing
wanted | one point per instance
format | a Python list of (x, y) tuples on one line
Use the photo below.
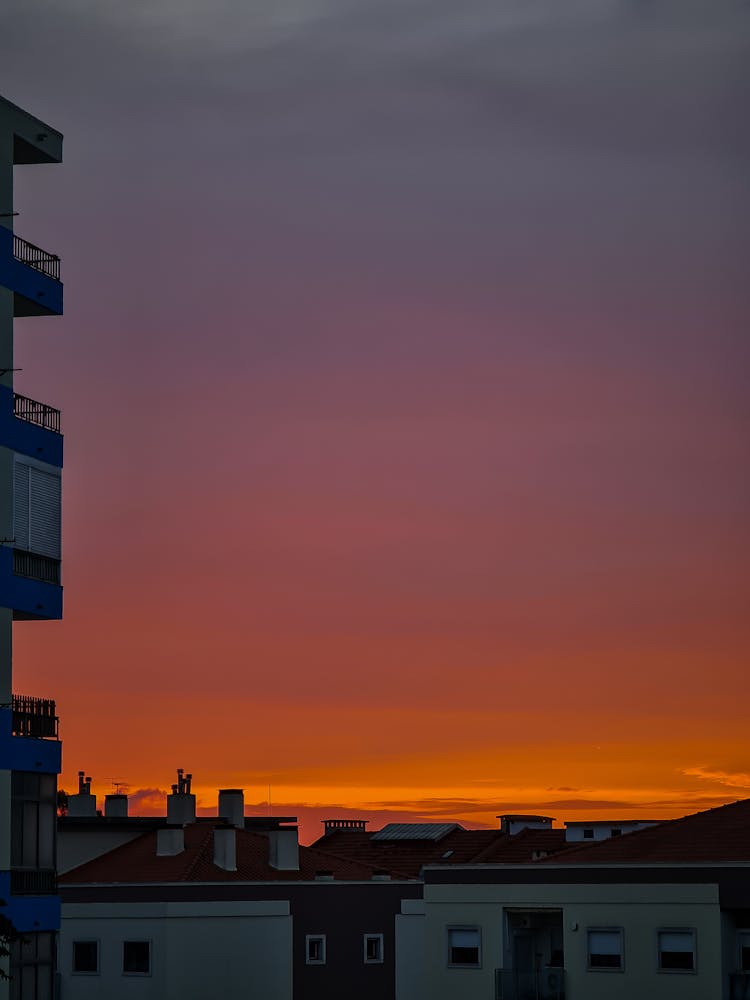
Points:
[(40, 260)]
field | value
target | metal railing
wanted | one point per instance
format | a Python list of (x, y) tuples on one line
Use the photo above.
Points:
[(36, 567), (37, 413), (33, 882), (40, 260), (739, 985), (34, 717), (537, 984)]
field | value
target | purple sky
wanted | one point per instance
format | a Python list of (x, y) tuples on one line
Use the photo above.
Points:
[(404, 342)]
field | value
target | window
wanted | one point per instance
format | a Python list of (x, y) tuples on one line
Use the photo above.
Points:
[(85, 957), (315, 949), (616, 831), (136, 958), (588, 833), (33, 820), (464, 946), (605, 948), (743, 939), (36, 508), (373, 949), (676, 951), (32, 966)]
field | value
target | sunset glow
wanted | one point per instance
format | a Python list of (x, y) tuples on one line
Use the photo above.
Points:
[(403, 379)]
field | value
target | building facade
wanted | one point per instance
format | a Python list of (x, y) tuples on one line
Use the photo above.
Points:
[(31, 458), (212, 908)]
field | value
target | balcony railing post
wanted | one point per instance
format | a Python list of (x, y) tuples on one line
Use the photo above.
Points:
[(34, 412), (33, 256), (34, 717)]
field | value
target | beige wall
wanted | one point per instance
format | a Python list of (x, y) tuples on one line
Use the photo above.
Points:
[(640, 910)]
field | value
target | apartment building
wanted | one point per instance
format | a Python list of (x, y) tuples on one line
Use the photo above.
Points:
[(31, 458)]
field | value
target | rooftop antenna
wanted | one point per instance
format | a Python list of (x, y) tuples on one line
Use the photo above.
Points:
[(118, 785)]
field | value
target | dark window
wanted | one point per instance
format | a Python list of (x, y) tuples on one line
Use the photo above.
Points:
[(677, 951), (463, 946), (373, 948), (33, 820), (31, 967), (616, 831), (588, 833), (85, 956), (605, 949), (315, 948), (136, 958), (744, 941)]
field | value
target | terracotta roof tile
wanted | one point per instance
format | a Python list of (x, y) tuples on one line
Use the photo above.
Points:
[(720, 834), (456, 848), (137, 862)]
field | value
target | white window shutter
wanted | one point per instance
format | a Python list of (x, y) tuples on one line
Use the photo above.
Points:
[(21, 506), (44, 521), (36, 510)]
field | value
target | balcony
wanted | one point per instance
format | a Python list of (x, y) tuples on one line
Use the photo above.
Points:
[(33, 882), (37, 413), (34, 717), (33, 256), (537, 984), (36, 567)]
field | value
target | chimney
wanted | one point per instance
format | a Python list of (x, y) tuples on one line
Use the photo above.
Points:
[(225, 848), (170, 841), (350, 825), (116, 805), (283, 849), (181, 803), (84, 803), (232, 806)]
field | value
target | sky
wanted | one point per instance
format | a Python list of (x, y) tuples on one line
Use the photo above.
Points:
[(404, 383)]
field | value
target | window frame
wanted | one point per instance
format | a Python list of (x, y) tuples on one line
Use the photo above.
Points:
[(605, 930), (449, 949), (147, 941), (677, 930), (321, 938), (380, 949), (742, 932), (86, 972)]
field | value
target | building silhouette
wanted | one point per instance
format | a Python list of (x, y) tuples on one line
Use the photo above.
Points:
[(31, 458)]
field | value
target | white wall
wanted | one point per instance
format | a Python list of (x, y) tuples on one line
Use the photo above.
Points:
[(212, 950), (574, 831), (640, 910), (410, 945)]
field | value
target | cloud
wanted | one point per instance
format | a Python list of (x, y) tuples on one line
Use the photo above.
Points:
[(147, 802), (736, 779)]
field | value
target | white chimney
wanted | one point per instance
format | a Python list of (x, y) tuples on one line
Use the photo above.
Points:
[(225, 848), (116, 805), (170, 841), (84, 803), (283, 849), (232, 806), (181, 803)]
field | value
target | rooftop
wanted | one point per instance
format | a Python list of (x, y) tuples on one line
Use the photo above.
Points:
[(456, 846), (720, 834), (137, 862)]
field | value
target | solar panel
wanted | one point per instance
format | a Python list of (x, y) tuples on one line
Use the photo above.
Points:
[(415, 831)]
